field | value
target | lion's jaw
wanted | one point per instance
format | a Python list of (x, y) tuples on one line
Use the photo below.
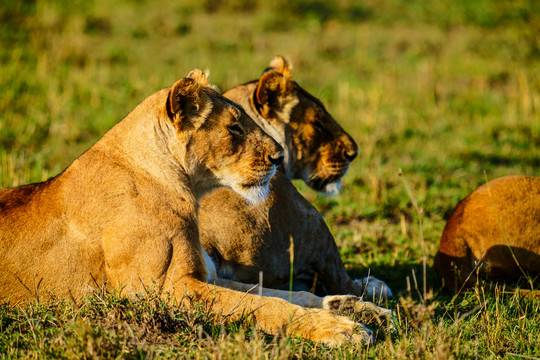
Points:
[(253, 190), (332, 189)]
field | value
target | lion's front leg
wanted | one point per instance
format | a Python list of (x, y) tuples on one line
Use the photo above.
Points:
[(373, 288), (137, 257), (337, 303), (274, 314), (334, 303), (301, 298)]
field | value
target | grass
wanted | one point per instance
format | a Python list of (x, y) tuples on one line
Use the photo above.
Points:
[(443, 90)]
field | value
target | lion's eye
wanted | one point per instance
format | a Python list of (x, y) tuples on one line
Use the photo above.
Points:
[(235, 129)]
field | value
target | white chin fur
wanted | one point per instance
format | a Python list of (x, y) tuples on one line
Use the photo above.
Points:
[(254, 194), (332, 189)]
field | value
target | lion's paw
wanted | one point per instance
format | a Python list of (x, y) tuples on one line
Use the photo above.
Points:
[(339, 303), (331, 329), (374, 288), (370, 311), (366, 309)]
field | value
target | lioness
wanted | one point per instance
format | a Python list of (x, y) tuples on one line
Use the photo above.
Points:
[(495, 231), (245, 239), (125, 212)]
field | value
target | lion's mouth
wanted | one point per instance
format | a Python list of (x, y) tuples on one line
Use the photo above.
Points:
[(259, 180), (327, 175), (253, 184), (320, 183)]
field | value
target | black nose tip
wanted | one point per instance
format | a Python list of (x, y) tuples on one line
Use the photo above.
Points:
[(276, 160), (349, 147), (351, 154)]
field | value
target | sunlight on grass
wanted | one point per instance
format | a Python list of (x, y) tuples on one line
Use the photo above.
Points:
[(443, 90)]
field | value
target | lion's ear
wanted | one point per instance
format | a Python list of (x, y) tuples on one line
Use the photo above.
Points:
[(279, 64), (199, 76), (271, 90), (187, 104)]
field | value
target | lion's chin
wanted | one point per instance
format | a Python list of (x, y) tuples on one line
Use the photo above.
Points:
[(255, 193), (325, 186), (252, 189), (332, 189)]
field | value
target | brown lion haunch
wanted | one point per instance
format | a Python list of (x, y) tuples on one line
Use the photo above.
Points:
[(494, 231)]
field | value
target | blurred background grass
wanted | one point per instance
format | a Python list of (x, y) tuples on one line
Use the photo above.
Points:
[(448, 91)]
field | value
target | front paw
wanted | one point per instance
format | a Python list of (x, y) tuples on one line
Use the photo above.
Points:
[(340, 303), (374, 289), (330, 329), (368, 312)]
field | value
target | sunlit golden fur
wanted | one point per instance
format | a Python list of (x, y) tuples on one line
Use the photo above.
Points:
[(244, 240), (495, 231), (124, 214), (317, 149)]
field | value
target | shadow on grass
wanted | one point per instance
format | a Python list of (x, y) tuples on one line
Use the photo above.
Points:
[(501, 160), (396, 276)]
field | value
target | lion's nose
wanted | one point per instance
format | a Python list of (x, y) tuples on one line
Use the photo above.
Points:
[(276, 159), (350, 150), (351, 154)]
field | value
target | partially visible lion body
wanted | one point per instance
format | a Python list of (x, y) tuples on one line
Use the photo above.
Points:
[(495, 231), (74, 218), (125, 212), (245, 240)]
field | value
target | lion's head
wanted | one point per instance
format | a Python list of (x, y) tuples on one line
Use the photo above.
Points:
[(317, 149), (222, 144)]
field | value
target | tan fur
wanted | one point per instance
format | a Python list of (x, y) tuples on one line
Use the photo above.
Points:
[(317, 149), (494, 231), (245, 240), (124, 214)]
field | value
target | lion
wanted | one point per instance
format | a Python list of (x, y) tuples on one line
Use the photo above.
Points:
[(125, 214), (494, 232), (244, 240)]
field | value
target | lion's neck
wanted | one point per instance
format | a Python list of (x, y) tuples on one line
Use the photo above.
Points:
[(148, 141)]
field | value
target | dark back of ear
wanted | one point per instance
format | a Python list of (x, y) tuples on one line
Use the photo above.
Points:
[(187, 99), (271, 90), (279, 64)]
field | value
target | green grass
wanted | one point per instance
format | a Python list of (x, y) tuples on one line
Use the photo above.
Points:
[(445, 91)]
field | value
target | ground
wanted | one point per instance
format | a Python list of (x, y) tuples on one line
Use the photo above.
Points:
[(448, 92)]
